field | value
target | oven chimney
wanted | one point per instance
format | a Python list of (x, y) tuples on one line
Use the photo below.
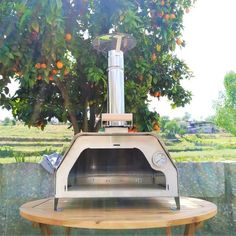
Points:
[(116, 103), (115, 45), (116, 95)]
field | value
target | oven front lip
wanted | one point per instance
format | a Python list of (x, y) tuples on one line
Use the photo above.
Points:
[(117, 193)]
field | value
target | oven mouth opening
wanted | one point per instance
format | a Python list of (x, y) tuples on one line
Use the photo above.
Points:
[(114, 167)]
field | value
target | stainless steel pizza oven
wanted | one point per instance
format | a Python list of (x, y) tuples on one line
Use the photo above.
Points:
[(115, 163)]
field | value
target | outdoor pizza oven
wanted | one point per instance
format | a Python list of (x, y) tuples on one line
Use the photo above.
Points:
[(115, 163)]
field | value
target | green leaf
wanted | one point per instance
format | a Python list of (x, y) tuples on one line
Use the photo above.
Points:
[(59, 4), (10, 55), (105, 37), (155, 80), (35, 26), (49, 20), (25, 17)]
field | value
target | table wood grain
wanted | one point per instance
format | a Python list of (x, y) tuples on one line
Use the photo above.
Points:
[(120, 213)]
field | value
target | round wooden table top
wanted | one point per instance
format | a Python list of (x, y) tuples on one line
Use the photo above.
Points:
[(118, 213)]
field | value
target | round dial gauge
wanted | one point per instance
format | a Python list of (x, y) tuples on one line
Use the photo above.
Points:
[(159, 159)]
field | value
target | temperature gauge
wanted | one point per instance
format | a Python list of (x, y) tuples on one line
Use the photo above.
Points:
[(159, 159)]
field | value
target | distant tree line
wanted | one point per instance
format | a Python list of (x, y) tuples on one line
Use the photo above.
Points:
[(173, 128)]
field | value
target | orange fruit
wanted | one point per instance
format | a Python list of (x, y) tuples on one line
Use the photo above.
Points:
[(54, 72), (156, 127), (59, 65), (154, 57), (37, 66), (43, 66), (132, 129), (135, 129), (66, 72), (172, 16), (51, 78), (166, 16), (68, 37), (179, 41), (157, 94), (39, 77)]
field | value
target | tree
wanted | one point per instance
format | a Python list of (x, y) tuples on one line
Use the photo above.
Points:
[(187, 116), (7, 121), (163, 121), (46, 47), (226, 106), (210, 118), (173, 127)]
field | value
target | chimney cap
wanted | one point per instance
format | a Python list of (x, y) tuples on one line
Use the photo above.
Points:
[(115, 41)]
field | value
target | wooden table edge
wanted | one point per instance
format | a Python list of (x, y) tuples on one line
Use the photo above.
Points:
[(121, 224)]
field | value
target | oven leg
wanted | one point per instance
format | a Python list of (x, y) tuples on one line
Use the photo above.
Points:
[(177, 202), (55, 203)]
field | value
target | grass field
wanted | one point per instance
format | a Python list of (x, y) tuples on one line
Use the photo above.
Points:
[(20, 144)]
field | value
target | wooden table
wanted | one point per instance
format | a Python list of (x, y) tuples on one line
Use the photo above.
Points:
[(119, 214)]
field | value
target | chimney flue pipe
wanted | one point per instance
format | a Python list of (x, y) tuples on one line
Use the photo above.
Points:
[(116, 103)]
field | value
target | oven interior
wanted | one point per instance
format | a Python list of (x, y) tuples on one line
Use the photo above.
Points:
[(119, 167)]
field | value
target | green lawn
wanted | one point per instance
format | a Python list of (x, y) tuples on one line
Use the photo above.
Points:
[(50, 132), (19, 143), (210, 155), (204, 147)]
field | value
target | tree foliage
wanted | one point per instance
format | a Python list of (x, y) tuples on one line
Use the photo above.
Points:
[(171, 128), (226, 106), (46, 47)]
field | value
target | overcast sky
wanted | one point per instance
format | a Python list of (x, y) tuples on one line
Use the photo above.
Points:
[(210, 52)]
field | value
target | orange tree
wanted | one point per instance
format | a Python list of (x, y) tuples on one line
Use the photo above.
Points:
[(46, 46)]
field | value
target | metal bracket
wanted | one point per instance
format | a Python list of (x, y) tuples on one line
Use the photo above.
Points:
[(107, 118)]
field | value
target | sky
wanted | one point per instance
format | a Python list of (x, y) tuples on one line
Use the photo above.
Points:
[(210, 52)]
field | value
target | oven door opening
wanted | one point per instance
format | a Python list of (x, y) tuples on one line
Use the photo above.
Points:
[(109, 168)]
